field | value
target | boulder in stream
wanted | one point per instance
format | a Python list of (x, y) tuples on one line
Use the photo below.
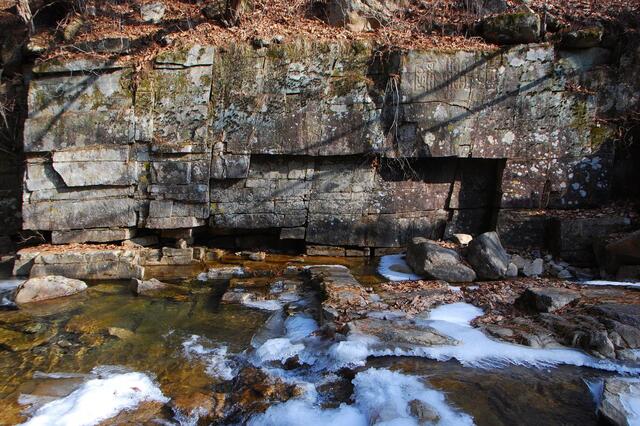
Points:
[(49, 287), (426, 257)]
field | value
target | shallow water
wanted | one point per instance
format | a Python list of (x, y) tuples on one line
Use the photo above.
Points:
[(75, 337), (180, 345)]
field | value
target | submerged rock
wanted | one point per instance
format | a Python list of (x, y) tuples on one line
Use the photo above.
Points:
[(618, 400), (546, 299), (487, 256), (45, 288), (426, 257), (147, 286), (154, 287), (222, 273)]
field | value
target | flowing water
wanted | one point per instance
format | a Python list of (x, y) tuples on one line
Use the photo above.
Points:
[(110, 345)]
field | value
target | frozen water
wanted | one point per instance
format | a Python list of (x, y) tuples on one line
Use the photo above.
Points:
[(394, 268)]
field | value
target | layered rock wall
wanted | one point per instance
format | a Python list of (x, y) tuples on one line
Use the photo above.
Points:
[(331, 144)]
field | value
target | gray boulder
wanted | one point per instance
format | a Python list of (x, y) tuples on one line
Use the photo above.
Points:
[(399, 333), (546, 299), (533, 268), (49, 287), (511, 28), (487, 256), (613, 408), (147, 286), (426, 257)]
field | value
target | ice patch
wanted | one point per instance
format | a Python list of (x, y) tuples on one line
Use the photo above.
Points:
[(298, 329), (381, 397), (300, 326), (477, 350), (216, 359), (610, 283), (278, 349), (98, 399), (631, 402), (394, 268), (10, 284), (267, 305)]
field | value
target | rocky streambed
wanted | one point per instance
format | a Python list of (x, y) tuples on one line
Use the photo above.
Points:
[(289, 340)]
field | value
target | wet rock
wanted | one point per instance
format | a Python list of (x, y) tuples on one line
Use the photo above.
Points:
[(511, 28), (154, 287), (398, 333), (147, 412), (237, 296), (424, 412), (257, 256), (426, 257), (140, 287), (49, 287), (533, 268), (512, 271), (152, 12), (223, 273), (203, 408), (546, 299), (614, 407), (120, 333), (584, 38), (487, 256), (17, 341), (253, 391)]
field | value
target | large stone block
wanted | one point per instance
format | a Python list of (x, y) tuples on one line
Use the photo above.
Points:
[(103, 235), (95, 166), (63, 215)]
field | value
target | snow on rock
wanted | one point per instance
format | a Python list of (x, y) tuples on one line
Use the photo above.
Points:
[(98, 399), (216, 359), (267, 305), (381, 397), (395, 268), (477, 350), (610, 283)]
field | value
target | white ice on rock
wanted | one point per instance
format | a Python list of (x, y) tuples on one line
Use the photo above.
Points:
[(216, 359), (394, 268), (98, 399), (477, 350), (381, 397), (610, 283), (266, 305)]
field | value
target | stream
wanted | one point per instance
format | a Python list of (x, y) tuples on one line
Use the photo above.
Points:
[(105, 356)]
